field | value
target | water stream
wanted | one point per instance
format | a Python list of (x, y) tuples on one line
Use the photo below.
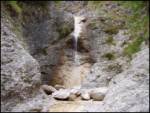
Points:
[(78, 25), (72, 74), (76, 56)]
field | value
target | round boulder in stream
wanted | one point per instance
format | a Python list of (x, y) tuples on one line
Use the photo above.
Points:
[(98, 94), (48, 89), (85, 96), (61, 94), (57, 86)]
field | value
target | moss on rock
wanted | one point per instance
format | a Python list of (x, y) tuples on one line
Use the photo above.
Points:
[(109, 56), (110, 40), (133, 47)]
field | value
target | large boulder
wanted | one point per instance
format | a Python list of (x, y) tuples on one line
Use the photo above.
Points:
[(129, 91), (62, 94), (48, 89), (75, 91), (85, 96), (57, 86), (72, 97), (98, 94)]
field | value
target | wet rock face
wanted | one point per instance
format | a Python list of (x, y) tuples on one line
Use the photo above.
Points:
[(20, 76), (79, 26), (42, 31)]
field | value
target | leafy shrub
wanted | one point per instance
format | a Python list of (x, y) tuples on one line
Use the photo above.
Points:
[(137, 24), (109, 56), (133, 47), (136, 18), (14, 6), (110, 40)]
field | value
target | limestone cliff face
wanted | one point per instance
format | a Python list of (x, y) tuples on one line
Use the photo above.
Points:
[(43, 30), (20, 72), (31, 48), (129, 89), (37, 47)]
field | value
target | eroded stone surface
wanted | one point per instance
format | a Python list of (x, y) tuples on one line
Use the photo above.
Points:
[(48, 39), (129, 91), (20, 75)]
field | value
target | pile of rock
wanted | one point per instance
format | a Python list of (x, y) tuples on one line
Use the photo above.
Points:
[(61, 93)]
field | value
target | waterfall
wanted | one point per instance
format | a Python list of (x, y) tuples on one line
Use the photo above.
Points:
[(76, 50), (77, 31)]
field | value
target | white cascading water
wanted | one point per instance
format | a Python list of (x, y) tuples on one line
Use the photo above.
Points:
[(78, 25), (74, 75)]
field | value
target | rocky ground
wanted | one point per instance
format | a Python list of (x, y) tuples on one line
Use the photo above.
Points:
[(38, 68)]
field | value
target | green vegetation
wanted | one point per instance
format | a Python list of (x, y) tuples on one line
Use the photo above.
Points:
[(64, 30), (111, 29), (135, 15), (133, 47), (57, 3), (109, 56), (94, 4), (115, 67), (137, 24), (93, 25), (139, 20), (14, 5), (133, 5), (42, 50), (110, 40)]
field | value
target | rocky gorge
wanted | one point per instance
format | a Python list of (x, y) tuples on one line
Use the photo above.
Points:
[(74, 56)]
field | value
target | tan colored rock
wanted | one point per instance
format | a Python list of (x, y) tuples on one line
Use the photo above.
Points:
[(48, 89), (72, 97), (85, 96), (61, 94), (76, 92), (57, 86), (98, 94)]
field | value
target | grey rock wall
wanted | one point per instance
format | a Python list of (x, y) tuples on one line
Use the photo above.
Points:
[(20, 72), (129, 91), (43, 31)]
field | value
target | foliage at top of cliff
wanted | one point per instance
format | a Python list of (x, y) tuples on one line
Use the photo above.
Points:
[(14, 5), (130, 15), (133, 14)]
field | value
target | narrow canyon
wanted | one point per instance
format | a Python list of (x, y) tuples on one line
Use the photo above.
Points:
[(74, 56)]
